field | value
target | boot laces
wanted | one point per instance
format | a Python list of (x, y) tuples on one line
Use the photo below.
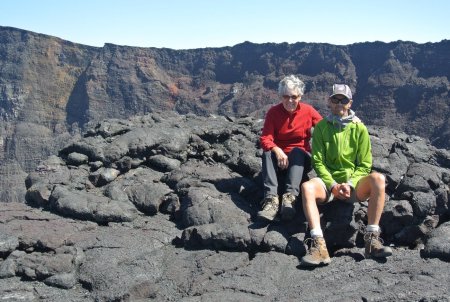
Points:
[(375, 242), (270, 203), (289, 198), (313, 244)]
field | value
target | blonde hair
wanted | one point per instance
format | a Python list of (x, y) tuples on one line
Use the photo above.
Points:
[(293, 83)]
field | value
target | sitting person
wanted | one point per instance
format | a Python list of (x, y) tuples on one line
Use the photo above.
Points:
[(342, 159), (285, 140)]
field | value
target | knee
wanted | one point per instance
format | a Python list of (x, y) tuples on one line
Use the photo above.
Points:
[(378, 180), (268, 158), (296, 152), (267, 155), (307, 188)]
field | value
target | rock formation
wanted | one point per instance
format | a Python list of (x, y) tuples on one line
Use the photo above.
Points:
[(162, 206)]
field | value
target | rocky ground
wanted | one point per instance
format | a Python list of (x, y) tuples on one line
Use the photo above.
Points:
[(61, 259), (162, 207)]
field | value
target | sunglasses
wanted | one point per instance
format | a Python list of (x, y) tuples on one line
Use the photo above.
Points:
[(337, 100), (290, 97)]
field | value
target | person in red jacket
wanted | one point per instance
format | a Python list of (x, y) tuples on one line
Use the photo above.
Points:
[(285, 140)]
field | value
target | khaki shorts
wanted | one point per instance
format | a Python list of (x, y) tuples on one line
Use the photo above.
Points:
[(330, 196)]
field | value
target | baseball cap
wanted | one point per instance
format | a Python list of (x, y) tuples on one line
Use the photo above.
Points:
[(342, 89)]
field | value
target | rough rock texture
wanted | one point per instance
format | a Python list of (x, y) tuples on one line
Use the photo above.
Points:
[(51, 88), (164, 208)]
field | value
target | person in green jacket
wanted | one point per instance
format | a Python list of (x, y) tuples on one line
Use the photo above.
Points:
[(342, 160)]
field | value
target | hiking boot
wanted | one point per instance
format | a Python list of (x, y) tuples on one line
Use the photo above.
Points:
[(317, 253), (374, 246), (270, 208), (287, 206)]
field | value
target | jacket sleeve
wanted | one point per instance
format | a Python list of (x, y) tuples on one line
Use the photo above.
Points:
[(363, 157), (318, 158), (268, 132)]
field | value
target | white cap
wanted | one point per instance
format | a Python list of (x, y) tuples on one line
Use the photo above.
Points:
[(342, 89)]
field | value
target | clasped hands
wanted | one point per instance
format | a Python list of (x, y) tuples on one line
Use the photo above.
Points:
[(341, 191)]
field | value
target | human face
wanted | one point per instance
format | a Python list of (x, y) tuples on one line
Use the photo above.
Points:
[(339, 105), (336, 99), (290, 100)]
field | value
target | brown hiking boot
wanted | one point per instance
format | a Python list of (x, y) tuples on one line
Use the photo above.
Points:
[(374, 246), (317, 253), (270, 208), (287, 206)]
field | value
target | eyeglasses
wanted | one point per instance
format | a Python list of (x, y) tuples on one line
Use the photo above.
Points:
[(337, 100), (290, 97)]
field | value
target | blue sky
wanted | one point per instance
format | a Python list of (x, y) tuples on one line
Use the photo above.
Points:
[(185, 24)]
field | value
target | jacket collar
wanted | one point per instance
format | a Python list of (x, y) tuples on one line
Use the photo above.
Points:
[(341, 121)]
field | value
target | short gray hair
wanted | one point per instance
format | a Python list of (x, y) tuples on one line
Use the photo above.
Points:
[(291, 82)]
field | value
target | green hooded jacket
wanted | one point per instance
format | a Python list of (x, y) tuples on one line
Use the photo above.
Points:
[(341, 150)]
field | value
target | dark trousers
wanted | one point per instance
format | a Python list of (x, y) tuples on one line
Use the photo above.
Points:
[(299, 166)]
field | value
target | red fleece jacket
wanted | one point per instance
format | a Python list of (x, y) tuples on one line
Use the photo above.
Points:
[(288, 130)]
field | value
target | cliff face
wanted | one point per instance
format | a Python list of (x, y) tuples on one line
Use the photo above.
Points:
[(51, 88), (37, 78)]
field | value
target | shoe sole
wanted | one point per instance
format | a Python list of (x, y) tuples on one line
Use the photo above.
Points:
[(384, 255), (265, 218), (287, 213), (324, 262)]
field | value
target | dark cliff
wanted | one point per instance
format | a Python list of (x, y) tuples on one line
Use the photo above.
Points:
[(51, 88)]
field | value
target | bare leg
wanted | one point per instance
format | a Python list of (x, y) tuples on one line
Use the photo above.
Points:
[(312, 193), (372, 186)]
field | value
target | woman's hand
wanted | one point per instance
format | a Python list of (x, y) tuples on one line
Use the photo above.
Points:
[(282, 158)]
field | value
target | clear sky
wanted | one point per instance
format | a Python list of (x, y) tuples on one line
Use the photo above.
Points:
[(185, 24)]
